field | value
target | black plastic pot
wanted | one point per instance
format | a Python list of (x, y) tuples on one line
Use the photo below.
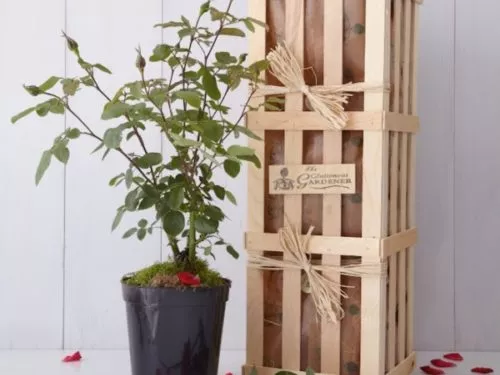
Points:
[(175, 331)]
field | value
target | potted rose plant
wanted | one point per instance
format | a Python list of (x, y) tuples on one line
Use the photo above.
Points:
[(175, 309)]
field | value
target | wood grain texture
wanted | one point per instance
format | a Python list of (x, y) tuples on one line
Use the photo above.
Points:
[(434, 277), (95, 315), (375, 186), (477, 161), (32, 221)]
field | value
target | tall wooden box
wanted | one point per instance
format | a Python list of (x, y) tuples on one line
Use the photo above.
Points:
[(337, 41)]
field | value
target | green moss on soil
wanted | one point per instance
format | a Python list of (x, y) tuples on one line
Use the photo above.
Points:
[(144, 277)]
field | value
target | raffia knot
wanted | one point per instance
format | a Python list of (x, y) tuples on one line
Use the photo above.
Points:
[(328, 101)]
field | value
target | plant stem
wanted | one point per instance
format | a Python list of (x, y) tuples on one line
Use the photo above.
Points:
[(192, 238)]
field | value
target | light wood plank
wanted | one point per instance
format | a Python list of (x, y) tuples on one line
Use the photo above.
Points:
[(247, 370), (410, 321), (332, 153), (255, 281), (398, 242), (405, 367), (298, 120), (294, 35), (375, 186), (327, 245)]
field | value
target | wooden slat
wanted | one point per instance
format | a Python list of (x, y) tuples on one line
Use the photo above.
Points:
[(294, 35), (375, 187), (411, 185), (328, 245), (405, 106), (396, 243), (297, 120), (405, 367), (247, 370), (255, 282), (332, 153)]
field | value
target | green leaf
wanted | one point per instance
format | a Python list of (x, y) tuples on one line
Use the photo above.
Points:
[(231, 250), (43, 166), (114, 110), (230, 197), (61, 152), (232, 168), (253, 159), (151, 191), (309, 371), (173, 61), (236, 151), (205, 225), (129, 233), (210, 84), (169, 24), (247, 132), (131, 200), (43, 108), (249, 25), (146, 203), (253, 371), (142, 223), (161, 52), (176, 198), (73, 133), (204, 8), (174, 222), (141, 234), (193, 98), (56, 106), (212, 130), (149, 160), (183, 142), (87, 81), (48, 84), (112, 138), (232, 31), (219, 191), (257, 22), (118, 218), (70, 86), (102, 68), (215, 213), (129, 178), (186, 32), (225, 58), (106, 153), (22, 114), (115, 179)]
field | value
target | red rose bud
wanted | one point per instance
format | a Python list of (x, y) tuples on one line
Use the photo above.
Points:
[(431, 370), (482, 370), (140, 61), (441, 363), (454, 357), (187, 278)]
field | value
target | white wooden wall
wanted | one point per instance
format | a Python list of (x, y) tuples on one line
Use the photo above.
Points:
[(60, 265)]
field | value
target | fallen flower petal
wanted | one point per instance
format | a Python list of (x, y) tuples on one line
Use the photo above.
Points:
[(441, 363), (187, 278), (431, 370), (482, 370), (454, 357), (75, 357)]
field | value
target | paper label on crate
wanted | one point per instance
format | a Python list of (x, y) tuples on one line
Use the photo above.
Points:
[(312, 179)]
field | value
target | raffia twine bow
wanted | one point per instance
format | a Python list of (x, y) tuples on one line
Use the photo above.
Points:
[(328, 101), (327, 294)]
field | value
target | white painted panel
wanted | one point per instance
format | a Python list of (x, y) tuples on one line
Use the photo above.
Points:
[(233, 228), (434, 286), (108, 32), (31, 218), (477, 197)]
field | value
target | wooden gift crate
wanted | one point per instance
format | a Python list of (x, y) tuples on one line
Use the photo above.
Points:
[(342, 41)]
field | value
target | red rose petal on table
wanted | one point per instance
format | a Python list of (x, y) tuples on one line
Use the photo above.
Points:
[(187, 278), (454, 357), (441, 363), (482, 370), (431, 370), (75, 357)]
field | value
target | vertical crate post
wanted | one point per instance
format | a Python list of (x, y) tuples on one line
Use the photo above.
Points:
[(332, 154), (294, 33), (255, 283)]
